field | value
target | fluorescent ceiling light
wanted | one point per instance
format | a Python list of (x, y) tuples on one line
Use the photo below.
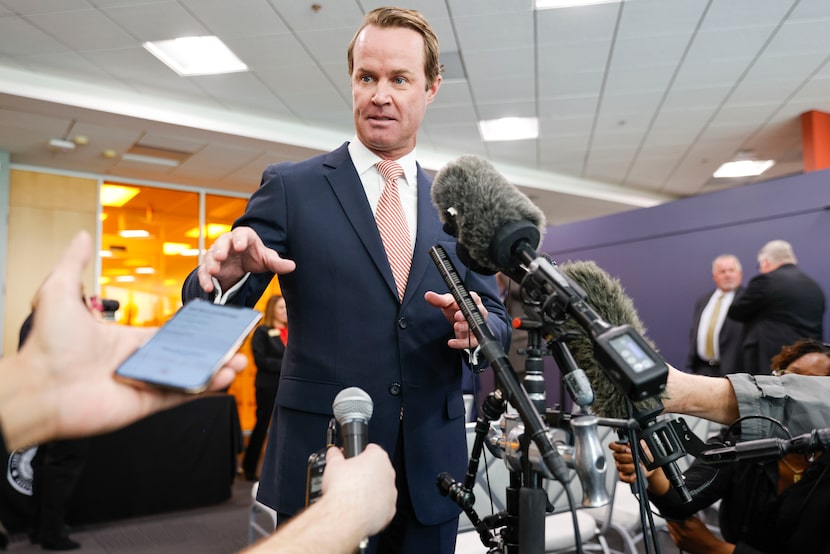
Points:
[(196, 56), (150, 159), (125, 278), (144, 271), (174, 248), (551, 4), (213, 230), (105, 253), (743, 168), (509, 128), (115, 196), (134, 233)]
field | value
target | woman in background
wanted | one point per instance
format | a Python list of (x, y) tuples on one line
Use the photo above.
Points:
[(268, 346)]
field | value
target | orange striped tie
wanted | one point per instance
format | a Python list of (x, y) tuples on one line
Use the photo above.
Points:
[(394, 231)]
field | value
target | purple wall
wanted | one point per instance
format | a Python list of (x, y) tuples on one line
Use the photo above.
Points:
[(663, 255)]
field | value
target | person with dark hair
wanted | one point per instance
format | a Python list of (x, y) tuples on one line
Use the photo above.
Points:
[(778, 306), (349, 233), (268, 346), (775, 507)]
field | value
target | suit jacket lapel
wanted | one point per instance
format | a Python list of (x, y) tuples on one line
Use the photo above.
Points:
[(346, 185)]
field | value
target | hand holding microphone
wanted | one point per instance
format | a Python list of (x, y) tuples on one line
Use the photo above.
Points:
[(365, 485), (352, 409)]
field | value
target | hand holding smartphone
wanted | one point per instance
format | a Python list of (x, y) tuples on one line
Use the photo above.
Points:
[(191, 347)]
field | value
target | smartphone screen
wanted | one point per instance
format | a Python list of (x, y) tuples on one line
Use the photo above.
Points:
[(191, 347)]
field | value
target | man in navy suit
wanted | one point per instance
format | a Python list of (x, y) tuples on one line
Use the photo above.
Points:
[(312, 224), (779, 306), (715, 340)]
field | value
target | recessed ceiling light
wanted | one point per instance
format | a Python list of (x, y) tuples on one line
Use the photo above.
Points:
[(551, 4), (115, 196), (743, 168), (134, 233), (509, 128), (196, 56), (213, 230), (174, 248), (168, 162)]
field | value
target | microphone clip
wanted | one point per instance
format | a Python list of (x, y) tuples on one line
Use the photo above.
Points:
[(660, 446)]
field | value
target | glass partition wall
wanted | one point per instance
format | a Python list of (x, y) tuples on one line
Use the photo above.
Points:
[(151, 238), (150, 241)]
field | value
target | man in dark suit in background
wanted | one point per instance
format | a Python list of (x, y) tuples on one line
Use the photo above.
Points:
[(351, 322), (779, 306), (715, 340)]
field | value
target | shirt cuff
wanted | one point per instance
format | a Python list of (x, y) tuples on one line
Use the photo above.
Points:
[(472, 356), (222, 298)]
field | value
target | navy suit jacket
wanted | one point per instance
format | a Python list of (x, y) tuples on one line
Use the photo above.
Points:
[(346, 327), (729, 340), (777, 309)]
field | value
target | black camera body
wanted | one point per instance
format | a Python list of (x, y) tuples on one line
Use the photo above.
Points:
[(317, 465), (314, 476)]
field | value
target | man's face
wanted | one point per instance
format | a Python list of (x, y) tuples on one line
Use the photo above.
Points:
[(389, 89), (726, 274)]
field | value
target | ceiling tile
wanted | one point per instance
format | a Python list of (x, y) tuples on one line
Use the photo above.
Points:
[(98, 31)]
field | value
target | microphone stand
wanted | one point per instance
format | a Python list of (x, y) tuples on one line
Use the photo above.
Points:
[(534, 426), (495, 355)]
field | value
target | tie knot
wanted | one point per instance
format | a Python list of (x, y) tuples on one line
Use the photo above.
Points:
[(389, 169)]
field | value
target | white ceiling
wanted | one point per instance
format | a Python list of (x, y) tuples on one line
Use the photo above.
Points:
[(638, 102)]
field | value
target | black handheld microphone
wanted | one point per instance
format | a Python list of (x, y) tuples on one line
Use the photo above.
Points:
[(762, 450), (353, 409)]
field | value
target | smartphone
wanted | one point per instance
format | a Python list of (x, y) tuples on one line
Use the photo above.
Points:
[(191, 347)]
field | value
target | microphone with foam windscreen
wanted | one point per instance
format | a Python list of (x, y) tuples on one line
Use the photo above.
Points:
[(614, 306), (611, 302), (353, 409), (500, 228), (487, 214)]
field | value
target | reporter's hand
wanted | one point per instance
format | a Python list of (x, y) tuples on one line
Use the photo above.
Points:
[(61, 385), (363, 485), (624, 461), (691, 535), (236, 253)]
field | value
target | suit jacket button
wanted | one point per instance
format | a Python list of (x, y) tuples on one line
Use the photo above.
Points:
[(402, 323), (395, 389)]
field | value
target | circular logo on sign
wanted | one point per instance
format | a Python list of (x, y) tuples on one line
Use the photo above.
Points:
[(19, 471)]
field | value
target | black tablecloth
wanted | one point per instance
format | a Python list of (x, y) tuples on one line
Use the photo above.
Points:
[(179, 459)]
